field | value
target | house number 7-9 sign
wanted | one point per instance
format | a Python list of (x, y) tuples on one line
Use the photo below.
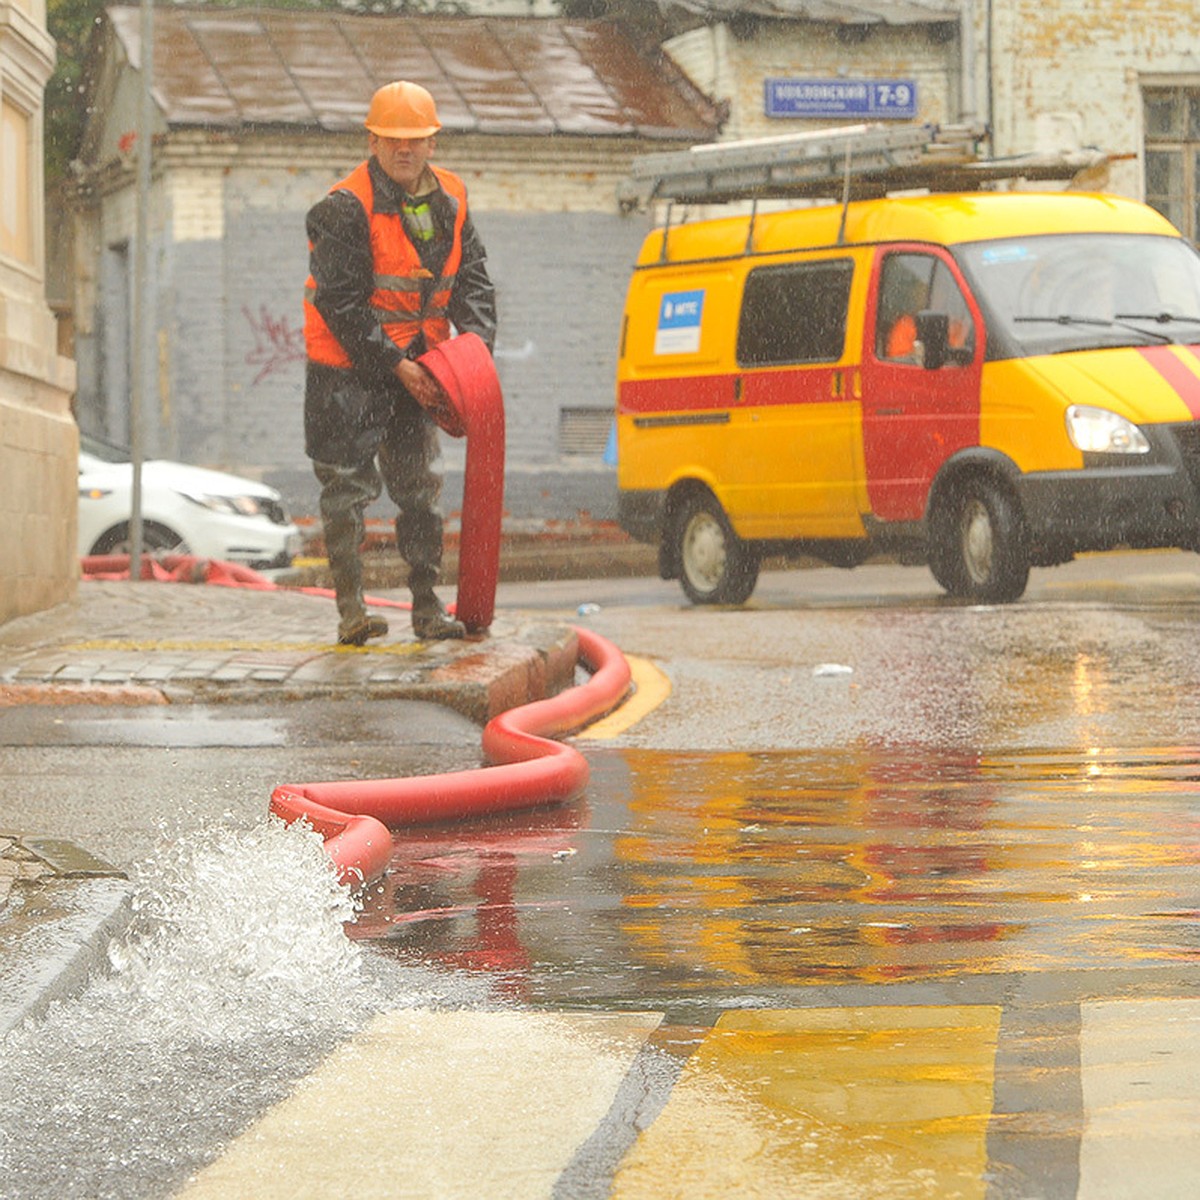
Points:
[(882, 99)]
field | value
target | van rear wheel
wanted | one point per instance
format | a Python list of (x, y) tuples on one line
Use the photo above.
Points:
[(715, 565), (978, 549)]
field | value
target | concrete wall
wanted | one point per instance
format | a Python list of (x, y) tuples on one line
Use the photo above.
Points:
[(38, 442)]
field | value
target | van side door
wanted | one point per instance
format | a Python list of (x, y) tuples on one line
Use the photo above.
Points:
[(917, 411), (793, 432)]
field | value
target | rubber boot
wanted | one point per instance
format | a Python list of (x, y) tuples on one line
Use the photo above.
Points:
[(357, 630), (344, 494), (430, 621)]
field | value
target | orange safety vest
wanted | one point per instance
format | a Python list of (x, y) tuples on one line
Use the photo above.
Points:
[(396, 299)]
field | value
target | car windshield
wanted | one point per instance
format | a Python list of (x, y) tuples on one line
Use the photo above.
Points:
[(1057, 293)]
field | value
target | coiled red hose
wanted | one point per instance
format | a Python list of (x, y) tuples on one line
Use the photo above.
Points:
[(528, 770)]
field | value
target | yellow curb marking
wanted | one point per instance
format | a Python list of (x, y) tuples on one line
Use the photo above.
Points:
[(651, 688), (171, 646)]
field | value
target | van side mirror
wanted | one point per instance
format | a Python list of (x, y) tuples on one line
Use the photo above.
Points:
[(933, 332)]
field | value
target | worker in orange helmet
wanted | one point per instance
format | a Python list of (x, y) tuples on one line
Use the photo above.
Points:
[(395, 267)]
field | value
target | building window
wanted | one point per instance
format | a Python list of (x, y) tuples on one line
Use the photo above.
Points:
[(1172, 122), (16, 227)]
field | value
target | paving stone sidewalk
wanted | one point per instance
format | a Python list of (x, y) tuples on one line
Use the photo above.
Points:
[(148, 642), (153, 643)]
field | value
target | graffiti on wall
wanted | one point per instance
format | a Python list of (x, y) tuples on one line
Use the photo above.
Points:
[(276, 342)]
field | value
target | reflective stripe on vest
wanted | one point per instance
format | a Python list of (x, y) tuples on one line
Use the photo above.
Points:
[(396, 298)]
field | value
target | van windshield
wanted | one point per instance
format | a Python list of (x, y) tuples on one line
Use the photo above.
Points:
[(1057, 293)]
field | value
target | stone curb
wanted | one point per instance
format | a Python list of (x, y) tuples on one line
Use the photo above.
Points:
[(55, 925), (476, 680)]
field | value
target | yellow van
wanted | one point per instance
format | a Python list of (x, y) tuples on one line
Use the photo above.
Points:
[(985, 381)]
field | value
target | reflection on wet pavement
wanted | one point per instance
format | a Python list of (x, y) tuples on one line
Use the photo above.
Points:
[(698, 872), (881, 973)]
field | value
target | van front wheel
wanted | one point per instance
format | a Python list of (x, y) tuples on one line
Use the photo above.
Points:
[(977, 545), (715, 565)]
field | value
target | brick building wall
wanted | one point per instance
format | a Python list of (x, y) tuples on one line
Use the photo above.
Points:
[(733, 68), (230, 259), (1078, 68)]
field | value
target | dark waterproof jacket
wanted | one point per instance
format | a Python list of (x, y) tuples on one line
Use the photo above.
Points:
[(346, 410)]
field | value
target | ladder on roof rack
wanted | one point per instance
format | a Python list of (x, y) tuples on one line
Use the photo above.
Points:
[(852, 162)]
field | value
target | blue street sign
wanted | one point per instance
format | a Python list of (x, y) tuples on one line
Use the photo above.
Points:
[(882, 99)]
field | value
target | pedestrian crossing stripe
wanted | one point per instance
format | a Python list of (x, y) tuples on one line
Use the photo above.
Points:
[(437, 1104), (1139, 1064), (846, 1102), (851, 1102)]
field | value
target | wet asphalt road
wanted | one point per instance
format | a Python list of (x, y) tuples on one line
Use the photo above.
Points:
[(909, 888)]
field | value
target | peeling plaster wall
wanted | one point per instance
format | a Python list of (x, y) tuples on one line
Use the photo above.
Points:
[(38, 439), (1062, 64)]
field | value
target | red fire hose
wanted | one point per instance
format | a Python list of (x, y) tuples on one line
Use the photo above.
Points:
[(528, 770), (463, 366)]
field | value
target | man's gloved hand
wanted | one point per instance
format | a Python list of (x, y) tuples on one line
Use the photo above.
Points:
[(429, 394)]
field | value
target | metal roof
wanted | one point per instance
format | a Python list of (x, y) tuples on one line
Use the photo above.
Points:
[(231, 68), (835, 12)]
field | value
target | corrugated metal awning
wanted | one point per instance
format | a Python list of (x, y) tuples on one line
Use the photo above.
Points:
[(233, 68)]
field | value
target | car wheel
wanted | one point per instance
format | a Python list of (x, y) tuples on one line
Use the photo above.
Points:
[(715, 565), (978, 549), (156, 539)]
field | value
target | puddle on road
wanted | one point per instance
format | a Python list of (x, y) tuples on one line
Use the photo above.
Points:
[(686, 874)]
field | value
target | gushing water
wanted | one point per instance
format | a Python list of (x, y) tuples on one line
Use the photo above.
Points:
[(234, 980)]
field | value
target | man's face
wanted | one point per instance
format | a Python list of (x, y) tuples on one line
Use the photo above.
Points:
[(402, 159)]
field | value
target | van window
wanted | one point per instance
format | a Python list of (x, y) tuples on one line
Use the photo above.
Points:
[(795, 313), (908, 284)]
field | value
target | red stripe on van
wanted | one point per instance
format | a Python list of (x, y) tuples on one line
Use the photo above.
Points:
[(808, 385), (1185, 384), (676, 395)]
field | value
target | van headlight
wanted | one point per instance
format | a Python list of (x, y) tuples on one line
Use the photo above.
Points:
[(1098, 431)]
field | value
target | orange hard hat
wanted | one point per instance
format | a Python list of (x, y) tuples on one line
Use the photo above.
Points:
[(403, 110)]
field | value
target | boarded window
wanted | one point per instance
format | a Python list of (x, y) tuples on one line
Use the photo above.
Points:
[(795, 313)]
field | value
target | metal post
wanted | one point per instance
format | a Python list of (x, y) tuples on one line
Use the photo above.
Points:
[(143, 310)]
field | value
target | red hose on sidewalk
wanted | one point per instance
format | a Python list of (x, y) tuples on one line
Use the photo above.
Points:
[(529, 770)]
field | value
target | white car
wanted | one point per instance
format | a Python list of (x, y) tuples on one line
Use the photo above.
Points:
[(185, 510)]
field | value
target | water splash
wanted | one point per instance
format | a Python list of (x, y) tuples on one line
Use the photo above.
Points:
[(234, 980), (260, 912)]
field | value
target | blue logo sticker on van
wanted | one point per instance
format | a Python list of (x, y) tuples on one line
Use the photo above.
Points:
[(679, 323)]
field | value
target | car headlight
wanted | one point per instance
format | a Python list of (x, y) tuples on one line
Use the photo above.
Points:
[(243, 506), (1098, 431)]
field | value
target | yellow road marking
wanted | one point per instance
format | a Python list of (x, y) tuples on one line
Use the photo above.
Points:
[(235, 646), (421, 1103), (851, 1103), (651, 688)]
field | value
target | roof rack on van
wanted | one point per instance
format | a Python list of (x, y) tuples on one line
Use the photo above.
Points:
[(853, 162)]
